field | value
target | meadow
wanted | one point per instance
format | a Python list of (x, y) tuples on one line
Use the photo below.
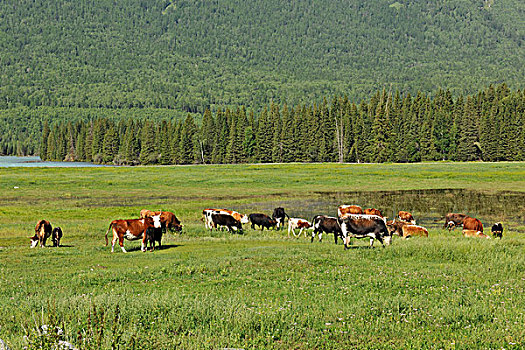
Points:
[(215, 290)]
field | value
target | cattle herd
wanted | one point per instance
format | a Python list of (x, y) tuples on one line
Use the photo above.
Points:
[(352, 222)]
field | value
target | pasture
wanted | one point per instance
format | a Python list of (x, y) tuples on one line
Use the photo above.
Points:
[(215, 290)]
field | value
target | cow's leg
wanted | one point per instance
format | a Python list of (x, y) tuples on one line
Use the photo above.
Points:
[(121, 243), (144, 241), (371, 242), (320, 236), (335, 237), (289, 227), (313, 235)]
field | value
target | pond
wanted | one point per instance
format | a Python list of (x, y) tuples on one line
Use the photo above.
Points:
[(429, 207), (34, 161)]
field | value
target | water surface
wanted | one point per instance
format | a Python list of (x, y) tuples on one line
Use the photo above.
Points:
[(34, 161)]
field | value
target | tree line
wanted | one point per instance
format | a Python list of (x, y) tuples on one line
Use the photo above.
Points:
[(389, 127)]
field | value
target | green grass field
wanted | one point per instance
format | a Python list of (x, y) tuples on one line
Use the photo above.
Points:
[(259, 290)]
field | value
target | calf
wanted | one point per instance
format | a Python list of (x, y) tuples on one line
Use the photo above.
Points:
[(219, 219), (153, 235), (474, 233), (373, 211), (43, 230), (344, 209), (361, 226), (406, 217), (296, 223), (56, 236), (279, 215), (452, 220), (406, 230), (472, 224), (262, 220), (326, 224), (132, 229), (497, 230)]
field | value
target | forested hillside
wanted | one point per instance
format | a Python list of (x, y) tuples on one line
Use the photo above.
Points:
[(190, 55), (388, 127)]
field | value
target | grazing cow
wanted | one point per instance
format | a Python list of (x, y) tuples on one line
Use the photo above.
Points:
[(279, 215), (472, 224), (242, 218), (361, 226), (497, 230), (474, 233), (220, 219), (43, 230), (373, 211), (344, 209), (56, 236), (452, 220), (262, 220), (406, 217), (326, 224), (405, 230), (131, 229), (168, 220), (296, 223)]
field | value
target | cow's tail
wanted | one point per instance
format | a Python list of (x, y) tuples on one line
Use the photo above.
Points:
[(109, 228)]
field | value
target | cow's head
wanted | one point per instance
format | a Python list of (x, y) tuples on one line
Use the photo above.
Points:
[(34, 241), (244, 219), (388, 239), (156, 220)]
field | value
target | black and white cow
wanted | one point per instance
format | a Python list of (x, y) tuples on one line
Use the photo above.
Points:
[(326, 224), (280, 216), (56, 236), (497, 230), (362, 226)]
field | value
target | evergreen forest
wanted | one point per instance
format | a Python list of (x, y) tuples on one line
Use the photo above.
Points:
[(389, 127)]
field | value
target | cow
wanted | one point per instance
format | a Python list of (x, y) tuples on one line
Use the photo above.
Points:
[(242, 218), (153, 235), (406, 217), (43, 230), (373, 211), (220, 219), (56, 236), (405, 230), (296, 223), (168, 220), (131, 229), (472, 224), (452, 220), (344, 209), (474, 233), (326, 224), (497, 230), (279, 215), (361, 226), (262, 220)]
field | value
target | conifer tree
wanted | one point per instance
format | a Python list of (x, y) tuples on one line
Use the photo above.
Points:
[(468, 139), (287, 136), (43, 143), (207, 136), (175, 143), (147, 149), (110, 145), (249, 139), (165, 142), (187, 141), (264, 138)]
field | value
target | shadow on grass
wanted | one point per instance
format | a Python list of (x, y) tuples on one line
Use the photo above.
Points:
[(164, 247)]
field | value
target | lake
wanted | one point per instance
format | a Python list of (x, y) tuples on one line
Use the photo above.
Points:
[(29, 162)]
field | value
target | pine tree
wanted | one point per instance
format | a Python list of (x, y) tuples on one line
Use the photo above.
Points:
[(147, 149), (468, 147), (249, 139), (188, 147), (110, 145), (264, 138), (44, 141), (165, 142), (287, 136), (207, 136)]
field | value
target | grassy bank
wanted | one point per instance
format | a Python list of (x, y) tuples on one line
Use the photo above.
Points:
[(258, 290)]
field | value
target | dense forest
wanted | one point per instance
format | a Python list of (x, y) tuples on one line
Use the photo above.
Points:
[(389, 127), (193, 55)]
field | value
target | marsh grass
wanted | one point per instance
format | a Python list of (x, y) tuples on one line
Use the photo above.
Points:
[(256, 290)]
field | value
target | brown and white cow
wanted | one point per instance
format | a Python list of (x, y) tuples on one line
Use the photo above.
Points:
[(344, 210), (406, 217), (362, 226), (297, 223), (472, 224), (242, 218), (43, 230), (474, 233), (452, 220), (406, 230), (373, 211), (132, 229), (168, 220)]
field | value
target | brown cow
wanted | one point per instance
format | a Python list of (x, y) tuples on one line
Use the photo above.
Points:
[(43, 230), (168, 220), (474, 233), (406, 230), (132, 229), (373, 211), (472, 224), (406, 217), (344, 210), (452, 220), (297, 223)]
